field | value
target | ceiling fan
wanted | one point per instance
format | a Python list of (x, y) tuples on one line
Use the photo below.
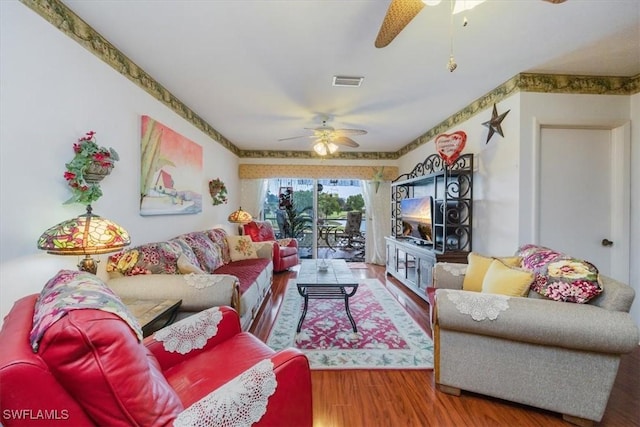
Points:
[(401, 12), (328, 139)]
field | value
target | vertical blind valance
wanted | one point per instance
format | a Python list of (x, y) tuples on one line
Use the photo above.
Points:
[(257, 171)]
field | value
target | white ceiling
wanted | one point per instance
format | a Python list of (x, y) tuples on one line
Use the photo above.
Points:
[(261, 70)]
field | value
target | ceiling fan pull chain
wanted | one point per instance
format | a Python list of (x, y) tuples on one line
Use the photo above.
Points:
[(451, 65)]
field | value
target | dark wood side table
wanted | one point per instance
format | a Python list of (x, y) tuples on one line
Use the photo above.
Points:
[(153, 314)]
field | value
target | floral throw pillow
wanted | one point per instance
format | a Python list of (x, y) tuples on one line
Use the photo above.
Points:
[(209, 254), (560, 277), (241, 247), (152, 258), (219, 237)]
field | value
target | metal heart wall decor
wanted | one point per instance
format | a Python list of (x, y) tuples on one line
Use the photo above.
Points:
[(449, 146)]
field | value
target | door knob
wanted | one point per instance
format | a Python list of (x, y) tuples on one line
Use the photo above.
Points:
[(607, 242)]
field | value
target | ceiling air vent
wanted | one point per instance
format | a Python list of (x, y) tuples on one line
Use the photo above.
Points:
[(346, 81)]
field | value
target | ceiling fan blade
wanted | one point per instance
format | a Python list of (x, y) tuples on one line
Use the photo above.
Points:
[(555, 1), (294, 137), (346, 141), (399, 14), (351, 131)]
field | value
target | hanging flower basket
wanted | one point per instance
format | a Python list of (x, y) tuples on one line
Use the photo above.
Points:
[(96, 172), (89, 166), (218, 192)]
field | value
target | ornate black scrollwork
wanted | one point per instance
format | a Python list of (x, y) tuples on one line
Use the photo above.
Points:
[(451, 189)]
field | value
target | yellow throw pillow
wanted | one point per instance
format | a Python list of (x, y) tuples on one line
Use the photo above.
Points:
[(505, 280), (478, 266), (241, 247)]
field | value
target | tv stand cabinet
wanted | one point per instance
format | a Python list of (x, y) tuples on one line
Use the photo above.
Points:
[(450, 187), (412, 264)]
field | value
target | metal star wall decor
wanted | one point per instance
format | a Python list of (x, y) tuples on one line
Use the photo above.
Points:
[(494, 124)]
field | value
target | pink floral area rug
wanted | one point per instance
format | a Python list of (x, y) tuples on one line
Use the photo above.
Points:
[(387, 337)]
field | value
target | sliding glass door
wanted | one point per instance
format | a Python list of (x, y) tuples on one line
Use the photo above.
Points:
[(326, 216)]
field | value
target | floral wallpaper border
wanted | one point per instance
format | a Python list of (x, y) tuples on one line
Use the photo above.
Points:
[(256, 171), (72, 25)]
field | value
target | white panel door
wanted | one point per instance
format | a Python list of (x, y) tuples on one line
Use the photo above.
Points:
[(575, 193)]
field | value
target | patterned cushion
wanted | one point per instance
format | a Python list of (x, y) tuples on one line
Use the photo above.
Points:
[(560, 277), (241, 248), (219, 237), (209, 254), (186, 250), (151, 258), (74, 290)]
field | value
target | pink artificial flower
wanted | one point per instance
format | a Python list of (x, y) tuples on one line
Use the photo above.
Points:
[(88, 136), (102, 158), (69, 175)]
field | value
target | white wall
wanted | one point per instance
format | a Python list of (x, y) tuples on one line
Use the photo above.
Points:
[(495, 180), (503, 181), (53, 91), (634, 273), (608, 111)]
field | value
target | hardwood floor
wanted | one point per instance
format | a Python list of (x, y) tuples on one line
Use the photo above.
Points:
[(389, 398)]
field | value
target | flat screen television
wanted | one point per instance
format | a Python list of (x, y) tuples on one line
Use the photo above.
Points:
[(417, 217)]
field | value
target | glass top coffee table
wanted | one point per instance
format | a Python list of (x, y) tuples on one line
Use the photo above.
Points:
[(333, 282)]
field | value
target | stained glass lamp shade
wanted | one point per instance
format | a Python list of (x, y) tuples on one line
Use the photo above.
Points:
[(86, 235), (240, 217)]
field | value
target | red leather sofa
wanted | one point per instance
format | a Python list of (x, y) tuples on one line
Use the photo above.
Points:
[(91, 369), (285, 251)]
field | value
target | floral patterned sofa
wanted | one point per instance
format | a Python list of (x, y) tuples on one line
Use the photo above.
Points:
[(546, 331), (203, 268), (74, 356)]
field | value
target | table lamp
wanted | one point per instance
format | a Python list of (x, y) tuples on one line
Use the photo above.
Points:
[(240, 217), (87, 235)]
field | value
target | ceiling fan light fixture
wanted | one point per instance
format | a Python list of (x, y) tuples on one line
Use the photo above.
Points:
[(320, 148), (462, 5), (323, 148), (431, 2)]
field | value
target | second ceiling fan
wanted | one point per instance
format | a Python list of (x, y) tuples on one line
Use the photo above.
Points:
[(327, 139)]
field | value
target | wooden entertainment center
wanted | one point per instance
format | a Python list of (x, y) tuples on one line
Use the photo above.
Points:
[(450, 188)]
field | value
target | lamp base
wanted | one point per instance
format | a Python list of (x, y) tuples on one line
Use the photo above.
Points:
[(88, 264)]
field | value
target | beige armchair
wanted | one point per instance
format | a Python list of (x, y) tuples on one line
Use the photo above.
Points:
[(558, 356)]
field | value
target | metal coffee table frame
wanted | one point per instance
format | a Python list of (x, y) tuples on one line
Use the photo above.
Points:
[(336, 282)]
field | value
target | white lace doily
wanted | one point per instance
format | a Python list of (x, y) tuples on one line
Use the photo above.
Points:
[(190, 333), (454, 269), (201, 281), (479, 306), (239, 403)]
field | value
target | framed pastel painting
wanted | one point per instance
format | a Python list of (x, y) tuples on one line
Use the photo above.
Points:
[(171, 171)]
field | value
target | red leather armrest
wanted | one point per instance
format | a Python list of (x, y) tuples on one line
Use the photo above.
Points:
[(291, 404), (293, 243), (227, 328)]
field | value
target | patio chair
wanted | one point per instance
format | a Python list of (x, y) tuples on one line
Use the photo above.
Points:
[(351, 237)]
